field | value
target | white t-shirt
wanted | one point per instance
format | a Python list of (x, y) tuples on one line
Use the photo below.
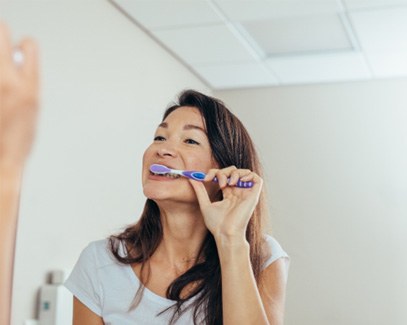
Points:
[(108, 288)]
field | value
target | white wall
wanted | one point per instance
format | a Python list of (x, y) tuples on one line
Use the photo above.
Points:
[(336, 163), (335, 157), (105, 86)]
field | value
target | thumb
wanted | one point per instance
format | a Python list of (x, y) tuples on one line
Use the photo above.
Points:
[(201, 193)]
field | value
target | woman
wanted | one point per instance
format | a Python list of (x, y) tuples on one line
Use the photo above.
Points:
[(198, 253)]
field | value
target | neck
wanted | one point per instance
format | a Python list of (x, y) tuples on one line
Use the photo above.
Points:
[(184, 231)]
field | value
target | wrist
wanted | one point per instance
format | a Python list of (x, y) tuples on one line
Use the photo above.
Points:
[(10, 186), (230, 247), (10, 175), (230, 240)]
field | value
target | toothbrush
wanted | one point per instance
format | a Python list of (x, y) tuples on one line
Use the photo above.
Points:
[(195, 175)]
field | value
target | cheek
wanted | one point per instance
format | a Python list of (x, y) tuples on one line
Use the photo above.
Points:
[(147, 155), (202, 162)]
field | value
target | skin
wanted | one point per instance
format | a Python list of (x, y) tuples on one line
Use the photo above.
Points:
[(19, 88), (189, 210)]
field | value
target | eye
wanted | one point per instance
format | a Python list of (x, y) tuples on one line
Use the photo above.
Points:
[(191, 141), (159, 138)]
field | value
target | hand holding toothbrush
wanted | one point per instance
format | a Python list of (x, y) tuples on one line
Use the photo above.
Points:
[(195, 175), (227, 219)]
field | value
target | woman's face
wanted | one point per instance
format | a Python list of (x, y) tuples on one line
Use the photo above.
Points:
[(180, 142)]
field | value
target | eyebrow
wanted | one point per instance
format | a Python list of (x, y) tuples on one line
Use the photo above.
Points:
[(186, 127)]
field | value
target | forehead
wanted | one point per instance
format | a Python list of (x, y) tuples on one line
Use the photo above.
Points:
[(186, 115)]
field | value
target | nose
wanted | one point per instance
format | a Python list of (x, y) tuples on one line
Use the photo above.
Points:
[(166, 151)]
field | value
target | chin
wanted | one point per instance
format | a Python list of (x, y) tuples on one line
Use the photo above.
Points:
[(157, 195), (158, 192)]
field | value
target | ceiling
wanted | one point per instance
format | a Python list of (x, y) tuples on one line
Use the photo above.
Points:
[(262, 43)]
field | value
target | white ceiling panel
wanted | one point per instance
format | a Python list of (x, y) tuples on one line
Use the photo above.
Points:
[(237, 75), (387, 64), (300, 34), (205, 44), (320, 68), (251, 43), (383, 37), (245, 10), (157, 14), (379, 30), (372, 4)]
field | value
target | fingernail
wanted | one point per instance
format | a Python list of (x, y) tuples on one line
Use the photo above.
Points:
[(18, 57)]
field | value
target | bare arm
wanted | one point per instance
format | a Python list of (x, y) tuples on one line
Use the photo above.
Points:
[(241, 298), (82, 315), (18, 111), (243, 302), (10, 180), (272, 287)]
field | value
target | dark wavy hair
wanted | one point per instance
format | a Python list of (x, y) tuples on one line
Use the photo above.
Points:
[(231, 145)]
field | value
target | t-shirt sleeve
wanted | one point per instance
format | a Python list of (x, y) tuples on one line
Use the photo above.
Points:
[(276, 252), (84, 282)]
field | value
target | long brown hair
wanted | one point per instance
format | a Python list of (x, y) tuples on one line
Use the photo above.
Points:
[(231, 145)]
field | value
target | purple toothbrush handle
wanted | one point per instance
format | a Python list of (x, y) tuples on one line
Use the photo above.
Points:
[(240, 183), (199, 176)]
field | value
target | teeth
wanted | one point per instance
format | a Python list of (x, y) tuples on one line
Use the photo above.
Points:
[(169, 175)]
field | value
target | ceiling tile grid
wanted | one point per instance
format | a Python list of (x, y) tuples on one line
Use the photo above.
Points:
[(232, 76), (320, 68), (167, 14), (205, 44), (241, 43), (244, 10)]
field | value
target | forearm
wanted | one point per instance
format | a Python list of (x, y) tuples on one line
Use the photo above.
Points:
[(241, 299), (10, 183), (19, 92)]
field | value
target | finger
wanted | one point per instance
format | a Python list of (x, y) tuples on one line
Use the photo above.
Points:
[(5, 48), (248, 177), (201, 193), (253, 178), (257, 182), (222, 179), (216, 174), (238, 175), (210, 175), (228, 170), (29, 67), (234, 178)]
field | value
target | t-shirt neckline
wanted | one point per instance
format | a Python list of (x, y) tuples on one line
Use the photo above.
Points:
[(147, 292)]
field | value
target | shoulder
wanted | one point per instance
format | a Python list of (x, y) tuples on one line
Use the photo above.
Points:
[(273, 280), (84, 281), (273, 251), (98, 253)]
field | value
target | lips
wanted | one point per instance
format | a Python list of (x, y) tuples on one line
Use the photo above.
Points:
[(164, 164), (162, 178), (168, 175)]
